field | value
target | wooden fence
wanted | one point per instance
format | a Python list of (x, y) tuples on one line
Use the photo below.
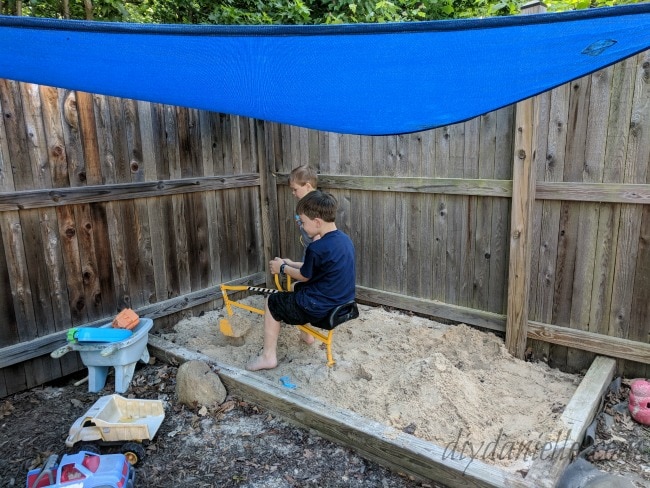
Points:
[(108, 203)]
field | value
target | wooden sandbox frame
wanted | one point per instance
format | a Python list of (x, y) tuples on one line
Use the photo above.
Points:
[(400, 451)]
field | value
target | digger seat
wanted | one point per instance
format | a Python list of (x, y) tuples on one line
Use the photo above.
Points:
[(323, 330)]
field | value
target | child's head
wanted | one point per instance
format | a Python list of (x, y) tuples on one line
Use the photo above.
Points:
[(303, 180), (318, 205)]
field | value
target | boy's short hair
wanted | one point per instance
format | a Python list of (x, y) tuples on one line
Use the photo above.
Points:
[(318, 205), (304, 174)]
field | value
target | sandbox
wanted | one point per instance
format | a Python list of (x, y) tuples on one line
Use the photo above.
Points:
[(441, 402)]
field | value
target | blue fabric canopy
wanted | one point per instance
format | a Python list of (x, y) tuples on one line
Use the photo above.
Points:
[(370, 79)]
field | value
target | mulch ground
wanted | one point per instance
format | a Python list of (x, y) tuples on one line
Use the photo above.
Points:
[(241, 445), (234, 445), (617, 443)]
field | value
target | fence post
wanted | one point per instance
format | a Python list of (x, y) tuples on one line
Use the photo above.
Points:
[(523, 200)]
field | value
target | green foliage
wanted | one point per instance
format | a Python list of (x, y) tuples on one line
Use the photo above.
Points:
[(371, 11), (173, 11), (111, 10), (257, 12), (291, 11), (564, 5), (34, 8)]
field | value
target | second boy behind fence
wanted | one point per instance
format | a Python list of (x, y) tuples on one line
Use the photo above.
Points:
[(325, 279)]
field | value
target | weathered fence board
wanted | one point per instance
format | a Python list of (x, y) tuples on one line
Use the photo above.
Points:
[(640, 148), (109, 236), (438, 159), (595, 161), (640, 316), (361, 221), (615, 170), (472, 138), (591, 161), (380, 156), (238, 198), (569, 216), (16, 262), (212, 209), (456, 210), (636, 169), (147, 171), (501, 212), (418, 217), (540, 277), (70, 254), (487, 150)]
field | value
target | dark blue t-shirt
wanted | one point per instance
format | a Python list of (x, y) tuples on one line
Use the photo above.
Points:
[(330, 266)]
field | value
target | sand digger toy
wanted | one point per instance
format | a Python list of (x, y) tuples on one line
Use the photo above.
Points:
[(323, 332), (225, 325)]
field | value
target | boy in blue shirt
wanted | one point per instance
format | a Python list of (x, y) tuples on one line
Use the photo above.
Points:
[(325, 279)]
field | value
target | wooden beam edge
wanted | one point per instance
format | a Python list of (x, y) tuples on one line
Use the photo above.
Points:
[(577, 415), (31, 199), (587, 399), (633, 193), (412, 184), (590, 341), (433, 308), (385, 445)]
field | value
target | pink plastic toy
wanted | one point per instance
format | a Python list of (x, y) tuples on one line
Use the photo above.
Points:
[(639, 403)]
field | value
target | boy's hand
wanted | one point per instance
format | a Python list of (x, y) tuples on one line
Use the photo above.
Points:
[(274, 265)]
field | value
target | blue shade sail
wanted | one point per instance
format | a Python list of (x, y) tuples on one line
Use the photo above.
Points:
[(371, 79)]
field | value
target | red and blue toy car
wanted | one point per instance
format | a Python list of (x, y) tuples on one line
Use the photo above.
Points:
[(83, 470)]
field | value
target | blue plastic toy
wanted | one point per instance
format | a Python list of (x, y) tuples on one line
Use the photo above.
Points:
[(122, 355), (286, 382)]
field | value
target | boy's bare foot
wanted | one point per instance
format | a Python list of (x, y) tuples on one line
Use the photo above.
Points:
[(260, 362), (306, 338)]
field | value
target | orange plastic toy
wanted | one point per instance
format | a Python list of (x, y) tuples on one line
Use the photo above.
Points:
[(126, 319)]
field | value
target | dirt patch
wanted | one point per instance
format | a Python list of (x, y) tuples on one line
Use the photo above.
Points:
[(615, 442), (235, 445), (452, 385)]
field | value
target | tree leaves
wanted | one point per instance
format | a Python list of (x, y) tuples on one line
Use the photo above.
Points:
[(292, 12)]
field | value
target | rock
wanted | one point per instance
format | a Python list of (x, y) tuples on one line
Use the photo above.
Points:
[(197, 384), (582, 474)]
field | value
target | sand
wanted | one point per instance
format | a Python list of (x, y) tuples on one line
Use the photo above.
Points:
[(452, 385)]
